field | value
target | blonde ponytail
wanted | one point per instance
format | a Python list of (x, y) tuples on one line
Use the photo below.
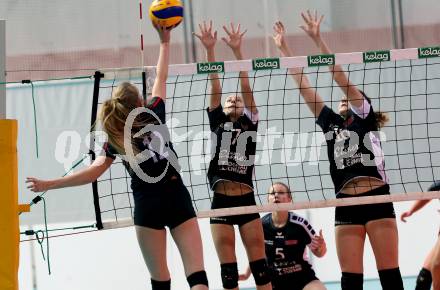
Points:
[(114, 113)]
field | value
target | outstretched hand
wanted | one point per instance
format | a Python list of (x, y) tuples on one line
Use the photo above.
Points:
[(206, 35), (37, 185), (312, 24), (234, 36), (279, 35)]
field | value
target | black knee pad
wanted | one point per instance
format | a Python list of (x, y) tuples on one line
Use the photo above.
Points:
[(352, 281), (391, 279), (229, 273), (197, 278), (160, 285), (260, 271), (424, 280)]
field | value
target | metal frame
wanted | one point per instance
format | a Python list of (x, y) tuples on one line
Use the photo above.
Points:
[(397, 23)]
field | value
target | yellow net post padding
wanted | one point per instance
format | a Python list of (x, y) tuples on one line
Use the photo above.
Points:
[(24, 208), (9, 227)]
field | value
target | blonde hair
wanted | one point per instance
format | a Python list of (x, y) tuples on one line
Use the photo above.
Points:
[(114, 112)]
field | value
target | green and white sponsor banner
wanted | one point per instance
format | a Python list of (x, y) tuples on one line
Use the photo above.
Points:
[(210, 67), (376, 56), (265, 63), (301, 61), (427, 52), (322, 59)]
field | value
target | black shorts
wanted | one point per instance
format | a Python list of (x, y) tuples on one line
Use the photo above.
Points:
[(226, 201), (362, 214), (166, 205), (295, 281)]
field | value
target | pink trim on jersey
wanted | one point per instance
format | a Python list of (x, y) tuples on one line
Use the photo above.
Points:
[(254, 117), (153, 105), (363, 110)]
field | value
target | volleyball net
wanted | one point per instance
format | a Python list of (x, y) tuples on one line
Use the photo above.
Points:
[(291, 147)]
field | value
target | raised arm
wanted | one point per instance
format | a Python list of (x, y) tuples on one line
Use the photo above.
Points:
[(310, 95), (209, 39), (312, 24), (234, 40), (84, 176), (160, 83)]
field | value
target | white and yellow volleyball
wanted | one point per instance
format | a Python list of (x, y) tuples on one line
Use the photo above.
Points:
[(166, 13)]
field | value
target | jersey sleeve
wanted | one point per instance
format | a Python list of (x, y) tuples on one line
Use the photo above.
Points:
[(157, 105), (363, 111), (309, 231), (326, 117), (216, 117)]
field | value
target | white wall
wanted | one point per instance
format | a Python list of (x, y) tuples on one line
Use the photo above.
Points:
[(420, 12), (52, 26), (43, 26)]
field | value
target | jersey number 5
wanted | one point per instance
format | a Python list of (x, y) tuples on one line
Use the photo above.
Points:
[(279, 253)]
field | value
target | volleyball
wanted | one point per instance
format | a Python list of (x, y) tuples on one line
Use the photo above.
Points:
[(167, 13)]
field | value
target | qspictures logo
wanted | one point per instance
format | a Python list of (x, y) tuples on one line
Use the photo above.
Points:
[(266, 63), (157, 145), (427, 52), (210, 67), (377, 56), (322, 59)]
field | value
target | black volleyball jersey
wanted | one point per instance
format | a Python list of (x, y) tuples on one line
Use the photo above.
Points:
[(155, 147), (285, 247), (353, 144), (233, 147)]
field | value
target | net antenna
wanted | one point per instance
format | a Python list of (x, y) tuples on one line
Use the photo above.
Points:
[(148, 73), (141, 39)]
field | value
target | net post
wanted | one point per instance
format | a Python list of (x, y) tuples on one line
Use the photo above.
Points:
[(9, 225), (98, 75)]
